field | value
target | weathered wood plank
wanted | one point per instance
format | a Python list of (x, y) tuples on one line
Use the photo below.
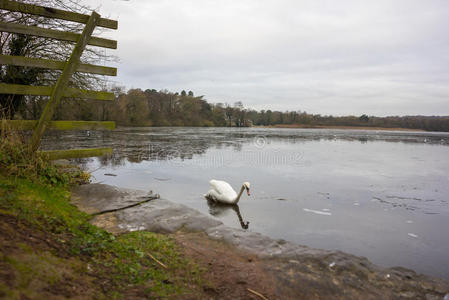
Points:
[(20, 89), (53, 13), (61, 125), (54, 65), (87, 94), (82, 125), (76, 153), (55, 34), (63, 80)]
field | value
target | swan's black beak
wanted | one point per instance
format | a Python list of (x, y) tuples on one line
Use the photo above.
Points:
[(247, 190)]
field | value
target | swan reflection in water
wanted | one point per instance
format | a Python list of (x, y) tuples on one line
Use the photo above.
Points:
[(216, 209)]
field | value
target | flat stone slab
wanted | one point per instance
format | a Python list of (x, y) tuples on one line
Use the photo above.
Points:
[(163, 216), (293, 265), (94, 198)]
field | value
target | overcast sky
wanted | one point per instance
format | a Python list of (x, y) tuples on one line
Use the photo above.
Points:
[(383, 57)]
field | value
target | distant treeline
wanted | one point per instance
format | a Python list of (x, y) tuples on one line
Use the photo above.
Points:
[(136, 107), (429, 123)]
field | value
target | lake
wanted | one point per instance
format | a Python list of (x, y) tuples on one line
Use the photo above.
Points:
[(379, 194)]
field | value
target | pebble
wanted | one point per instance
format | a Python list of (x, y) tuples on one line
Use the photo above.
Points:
[(293, 261)]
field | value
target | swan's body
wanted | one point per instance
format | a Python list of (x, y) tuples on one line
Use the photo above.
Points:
[(221, 191)]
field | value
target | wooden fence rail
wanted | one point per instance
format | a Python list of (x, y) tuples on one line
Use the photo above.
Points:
[(55, 34), (72, 65), (54, 13), (62, 125), (21, 89), (54, 65)]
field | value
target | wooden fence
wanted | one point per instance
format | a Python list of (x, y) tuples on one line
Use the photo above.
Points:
[(69, 67)]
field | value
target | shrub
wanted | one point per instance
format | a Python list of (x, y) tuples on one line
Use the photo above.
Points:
[(17, 160)]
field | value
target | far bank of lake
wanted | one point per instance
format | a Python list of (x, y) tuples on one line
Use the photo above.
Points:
[(342, 127)]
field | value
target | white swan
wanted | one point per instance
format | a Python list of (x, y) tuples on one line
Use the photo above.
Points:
[(222, 192)]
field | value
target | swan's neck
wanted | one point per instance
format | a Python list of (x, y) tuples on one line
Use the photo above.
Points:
[(236, 200)]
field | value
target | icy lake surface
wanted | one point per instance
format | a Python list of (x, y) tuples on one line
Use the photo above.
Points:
[(379, 194)]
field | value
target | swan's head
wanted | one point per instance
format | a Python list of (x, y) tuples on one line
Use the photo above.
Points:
[(246, 186)]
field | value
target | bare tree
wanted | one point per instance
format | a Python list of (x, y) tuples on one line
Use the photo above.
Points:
[(31, 46)]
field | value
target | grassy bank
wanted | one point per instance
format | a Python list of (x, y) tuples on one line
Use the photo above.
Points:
[(48, 247)]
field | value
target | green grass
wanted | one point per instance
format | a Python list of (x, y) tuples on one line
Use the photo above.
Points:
[(122, 260), (36, 195)]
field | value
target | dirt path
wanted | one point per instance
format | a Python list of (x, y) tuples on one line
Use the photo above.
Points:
[(232, 272)]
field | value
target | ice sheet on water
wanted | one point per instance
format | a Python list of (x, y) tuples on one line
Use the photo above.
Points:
[(318, 212)]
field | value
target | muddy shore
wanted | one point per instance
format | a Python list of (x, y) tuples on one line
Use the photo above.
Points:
[(238, 260)]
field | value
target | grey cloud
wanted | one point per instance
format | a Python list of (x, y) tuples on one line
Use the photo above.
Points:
[(329, 57)]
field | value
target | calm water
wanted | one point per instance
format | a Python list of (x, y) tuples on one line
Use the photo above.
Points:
[(382, 195)]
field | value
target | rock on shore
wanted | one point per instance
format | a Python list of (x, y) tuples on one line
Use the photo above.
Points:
[(295, 271)]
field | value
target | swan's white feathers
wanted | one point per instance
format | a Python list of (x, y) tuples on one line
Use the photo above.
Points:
[(221, 191)]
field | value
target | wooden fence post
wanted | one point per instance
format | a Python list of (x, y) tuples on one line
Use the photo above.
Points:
[(63, 80)]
